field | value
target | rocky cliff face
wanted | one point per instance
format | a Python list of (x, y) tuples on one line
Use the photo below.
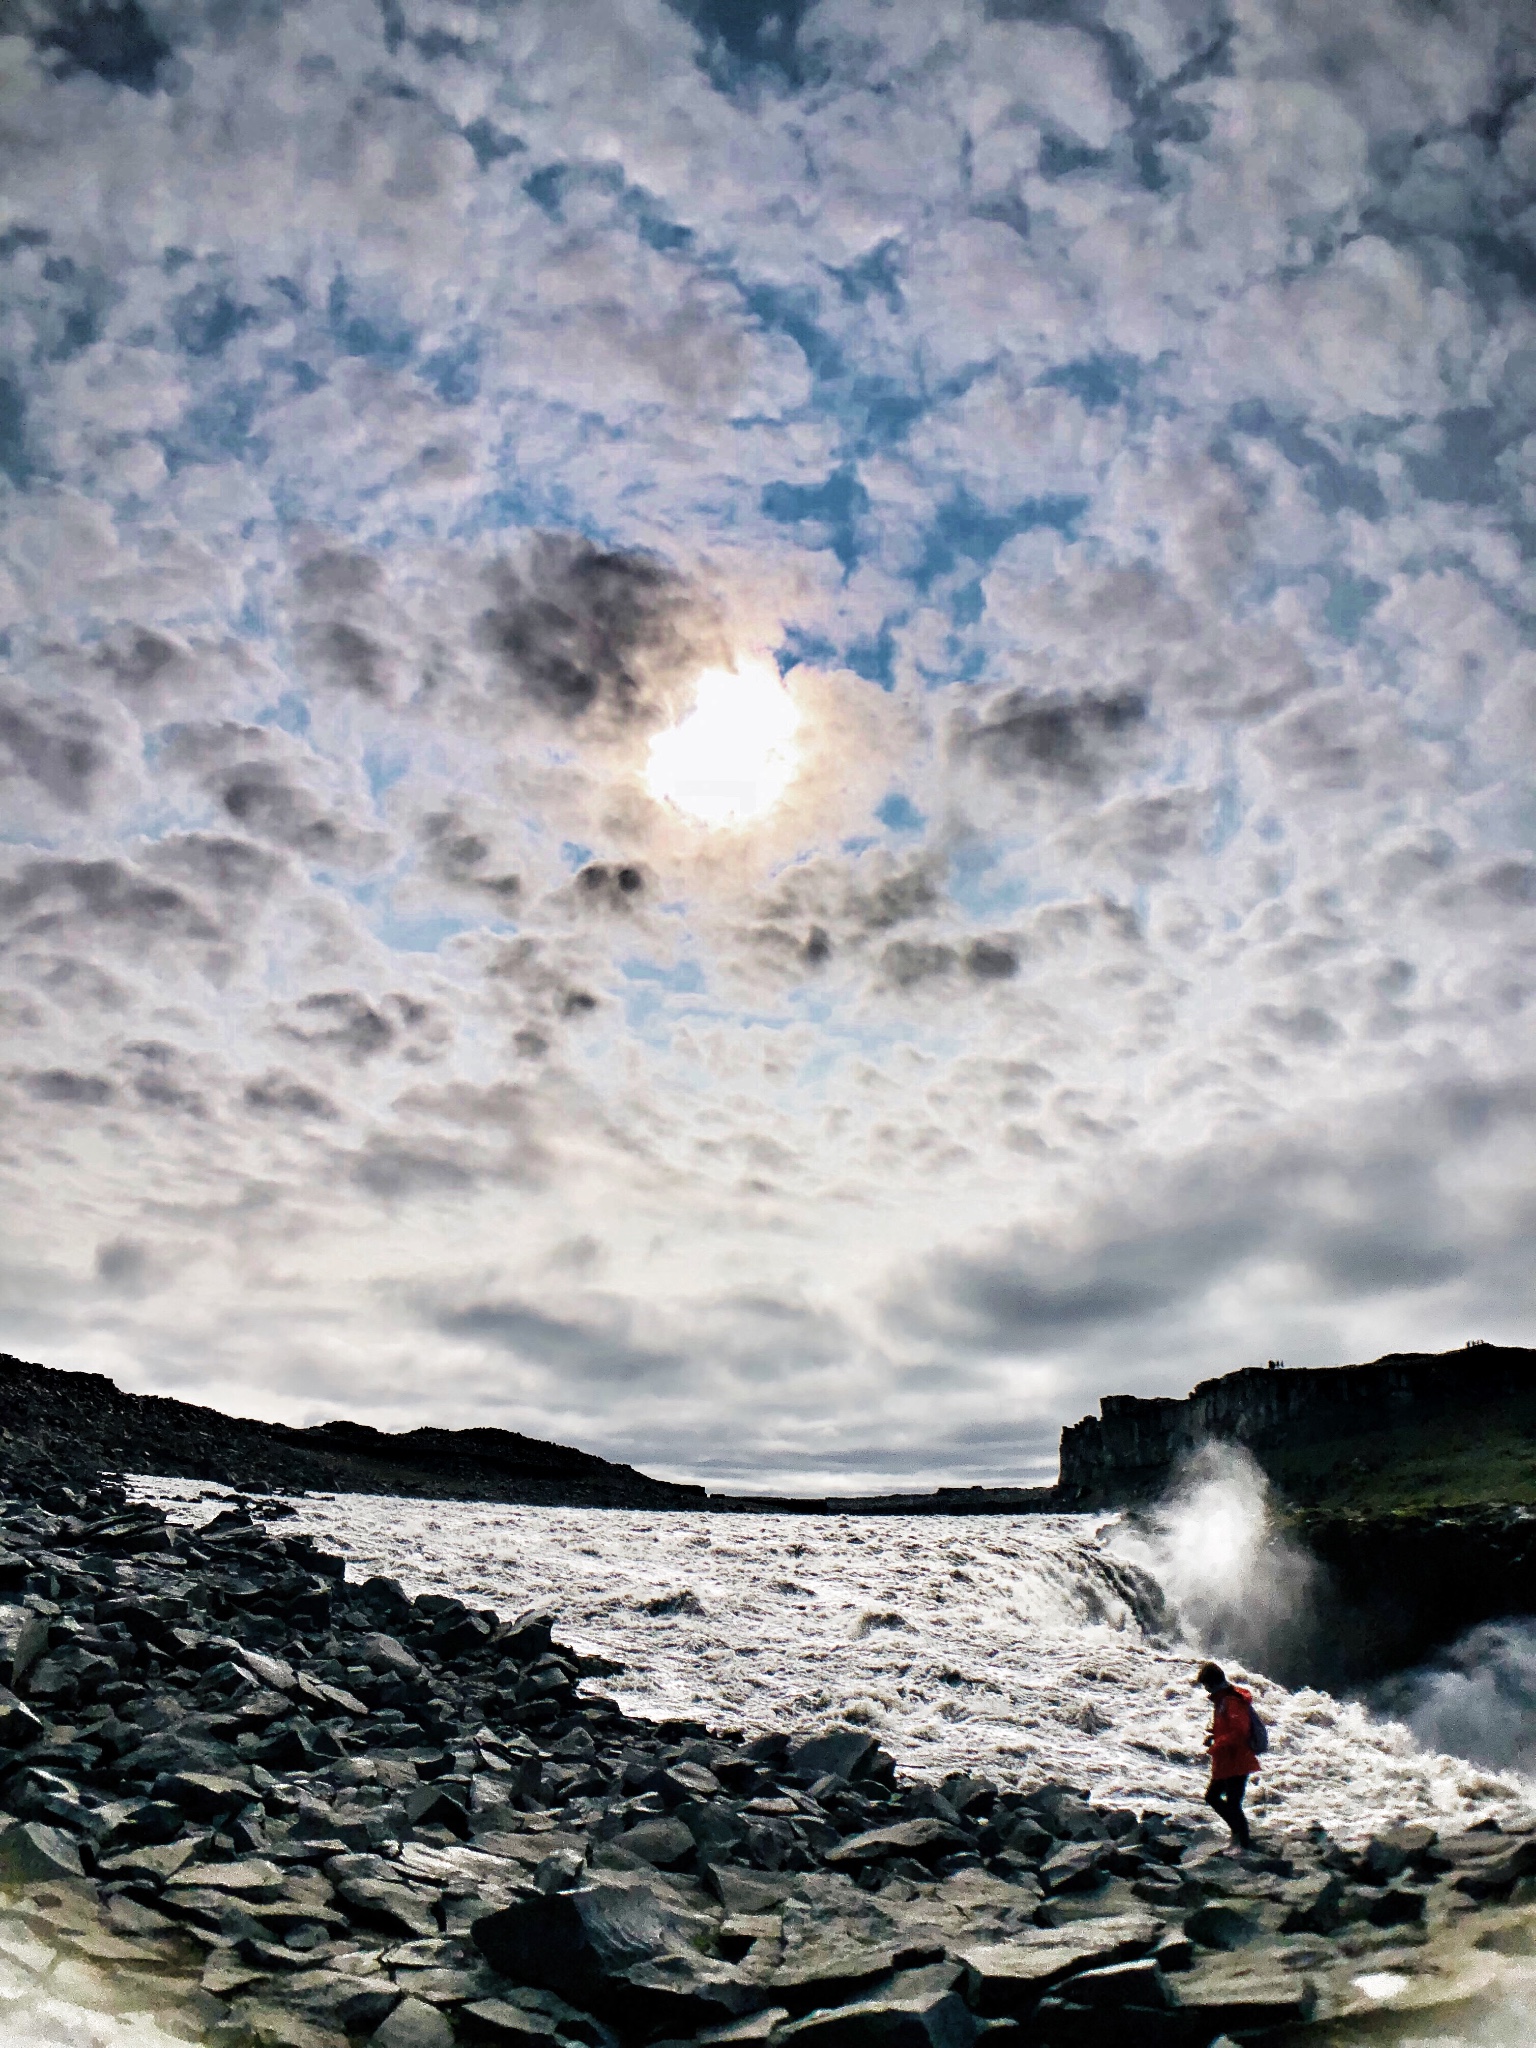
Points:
[(1130, 1449)]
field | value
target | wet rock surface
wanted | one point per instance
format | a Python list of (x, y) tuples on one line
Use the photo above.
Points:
[(277, 1809)]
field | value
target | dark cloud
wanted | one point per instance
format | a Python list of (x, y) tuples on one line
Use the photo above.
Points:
[(398, 1171), (265, 784), (351, 658), (214, 861), (124, 1265), (610, 885), (589, 1351), (113, 39), (360, 1028), (992, 959), (1025, 736), (60, 1084), (591, 634), (279, 1094), (64, 748), (138, 658), (460, 855), (48, 895), (155, 1071), (906, 962)]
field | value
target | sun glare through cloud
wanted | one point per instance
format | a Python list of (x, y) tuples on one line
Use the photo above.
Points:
[(733, 756)]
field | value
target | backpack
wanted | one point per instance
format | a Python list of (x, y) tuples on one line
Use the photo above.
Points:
[(1258, 1734)]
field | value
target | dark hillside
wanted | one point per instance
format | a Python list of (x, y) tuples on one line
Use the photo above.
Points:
[(71, 1425)]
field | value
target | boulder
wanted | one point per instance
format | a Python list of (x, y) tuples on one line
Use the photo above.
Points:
[(935, 2019), (571, 1941), (835, 1974), (923, 1839), (1241, 1998), (664, 1843), (414, 2024), (1008, 1976), (1389, 1854), (1315, 1905), (18, 1724), (1223, 1926), (392, 1908), (1075, 1867), (32, 1852), (842, 1753)]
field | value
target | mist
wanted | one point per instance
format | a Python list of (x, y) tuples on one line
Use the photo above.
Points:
[(1239, 1586), (1476, 1699)]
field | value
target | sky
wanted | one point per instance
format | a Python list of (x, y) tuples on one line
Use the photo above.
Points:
[(770, 737)]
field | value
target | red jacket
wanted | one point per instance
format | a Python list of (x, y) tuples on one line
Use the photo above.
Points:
[(1231, 1752)]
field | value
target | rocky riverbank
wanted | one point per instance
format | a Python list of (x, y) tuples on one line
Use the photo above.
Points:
[(276, 1809)]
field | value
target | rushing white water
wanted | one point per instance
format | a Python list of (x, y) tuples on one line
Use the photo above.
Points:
[(1031, 1647)]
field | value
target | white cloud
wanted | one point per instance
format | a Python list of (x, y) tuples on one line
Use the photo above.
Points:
[(1117, 429)]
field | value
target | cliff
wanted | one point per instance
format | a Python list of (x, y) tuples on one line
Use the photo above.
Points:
[(1435, 1419)]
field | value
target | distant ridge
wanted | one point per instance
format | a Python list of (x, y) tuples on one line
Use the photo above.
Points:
[(67, 1424)]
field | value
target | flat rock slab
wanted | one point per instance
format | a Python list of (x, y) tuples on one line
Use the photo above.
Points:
[(920, 1838), (1011, 1975), (936, 2020)]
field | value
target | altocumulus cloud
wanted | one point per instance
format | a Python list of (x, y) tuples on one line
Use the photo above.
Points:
[(1113, 419)]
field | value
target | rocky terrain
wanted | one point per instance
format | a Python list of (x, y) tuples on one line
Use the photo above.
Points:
[(275, 1809)]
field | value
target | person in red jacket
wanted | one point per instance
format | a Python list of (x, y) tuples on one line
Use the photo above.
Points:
[(1232, 1759)]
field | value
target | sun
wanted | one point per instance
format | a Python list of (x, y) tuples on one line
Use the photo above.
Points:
[(733, 756)]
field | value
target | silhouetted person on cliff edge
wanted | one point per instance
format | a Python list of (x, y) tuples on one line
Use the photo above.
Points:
[(1230, 1743)]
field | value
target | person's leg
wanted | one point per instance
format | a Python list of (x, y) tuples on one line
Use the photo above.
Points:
[(1225, 1796)]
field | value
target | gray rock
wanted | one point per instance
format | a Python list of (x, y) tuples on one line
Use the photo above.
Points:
[(1075, 1867), (569, 1941), (1009, 1976), (1230, 1997), (499, 2021), (271, 2025), (664, 1843), (838, 1754), (1138, 1984), (1223, 1926), (393, 1908), (414, 2024), (834, 1975), (18, 1724), (32, 1852), (1495, 1874), (923, 1839), (935, 2020), (251, 1878), (1315, 1905), (1389, 1854)]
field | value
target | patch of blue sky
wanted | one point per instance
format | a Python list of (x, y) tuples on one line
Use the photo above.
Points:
[(574, 854), (384, 767), (217, 428), (832, 509), (1350, 601), (377, 336), (859, 843), (963, 530), (425, 931), (453, 372), (1097, 382), (684, 977), (874, 659), (898, 813), (1336, 484), (982, 894)]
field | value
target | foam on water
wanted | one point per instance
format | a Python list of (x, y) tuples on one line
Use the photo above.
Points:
[(1026, 1647)]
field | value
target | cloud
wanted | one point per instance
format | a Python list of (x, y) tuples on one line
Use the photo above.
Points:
[(1112, 424)]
